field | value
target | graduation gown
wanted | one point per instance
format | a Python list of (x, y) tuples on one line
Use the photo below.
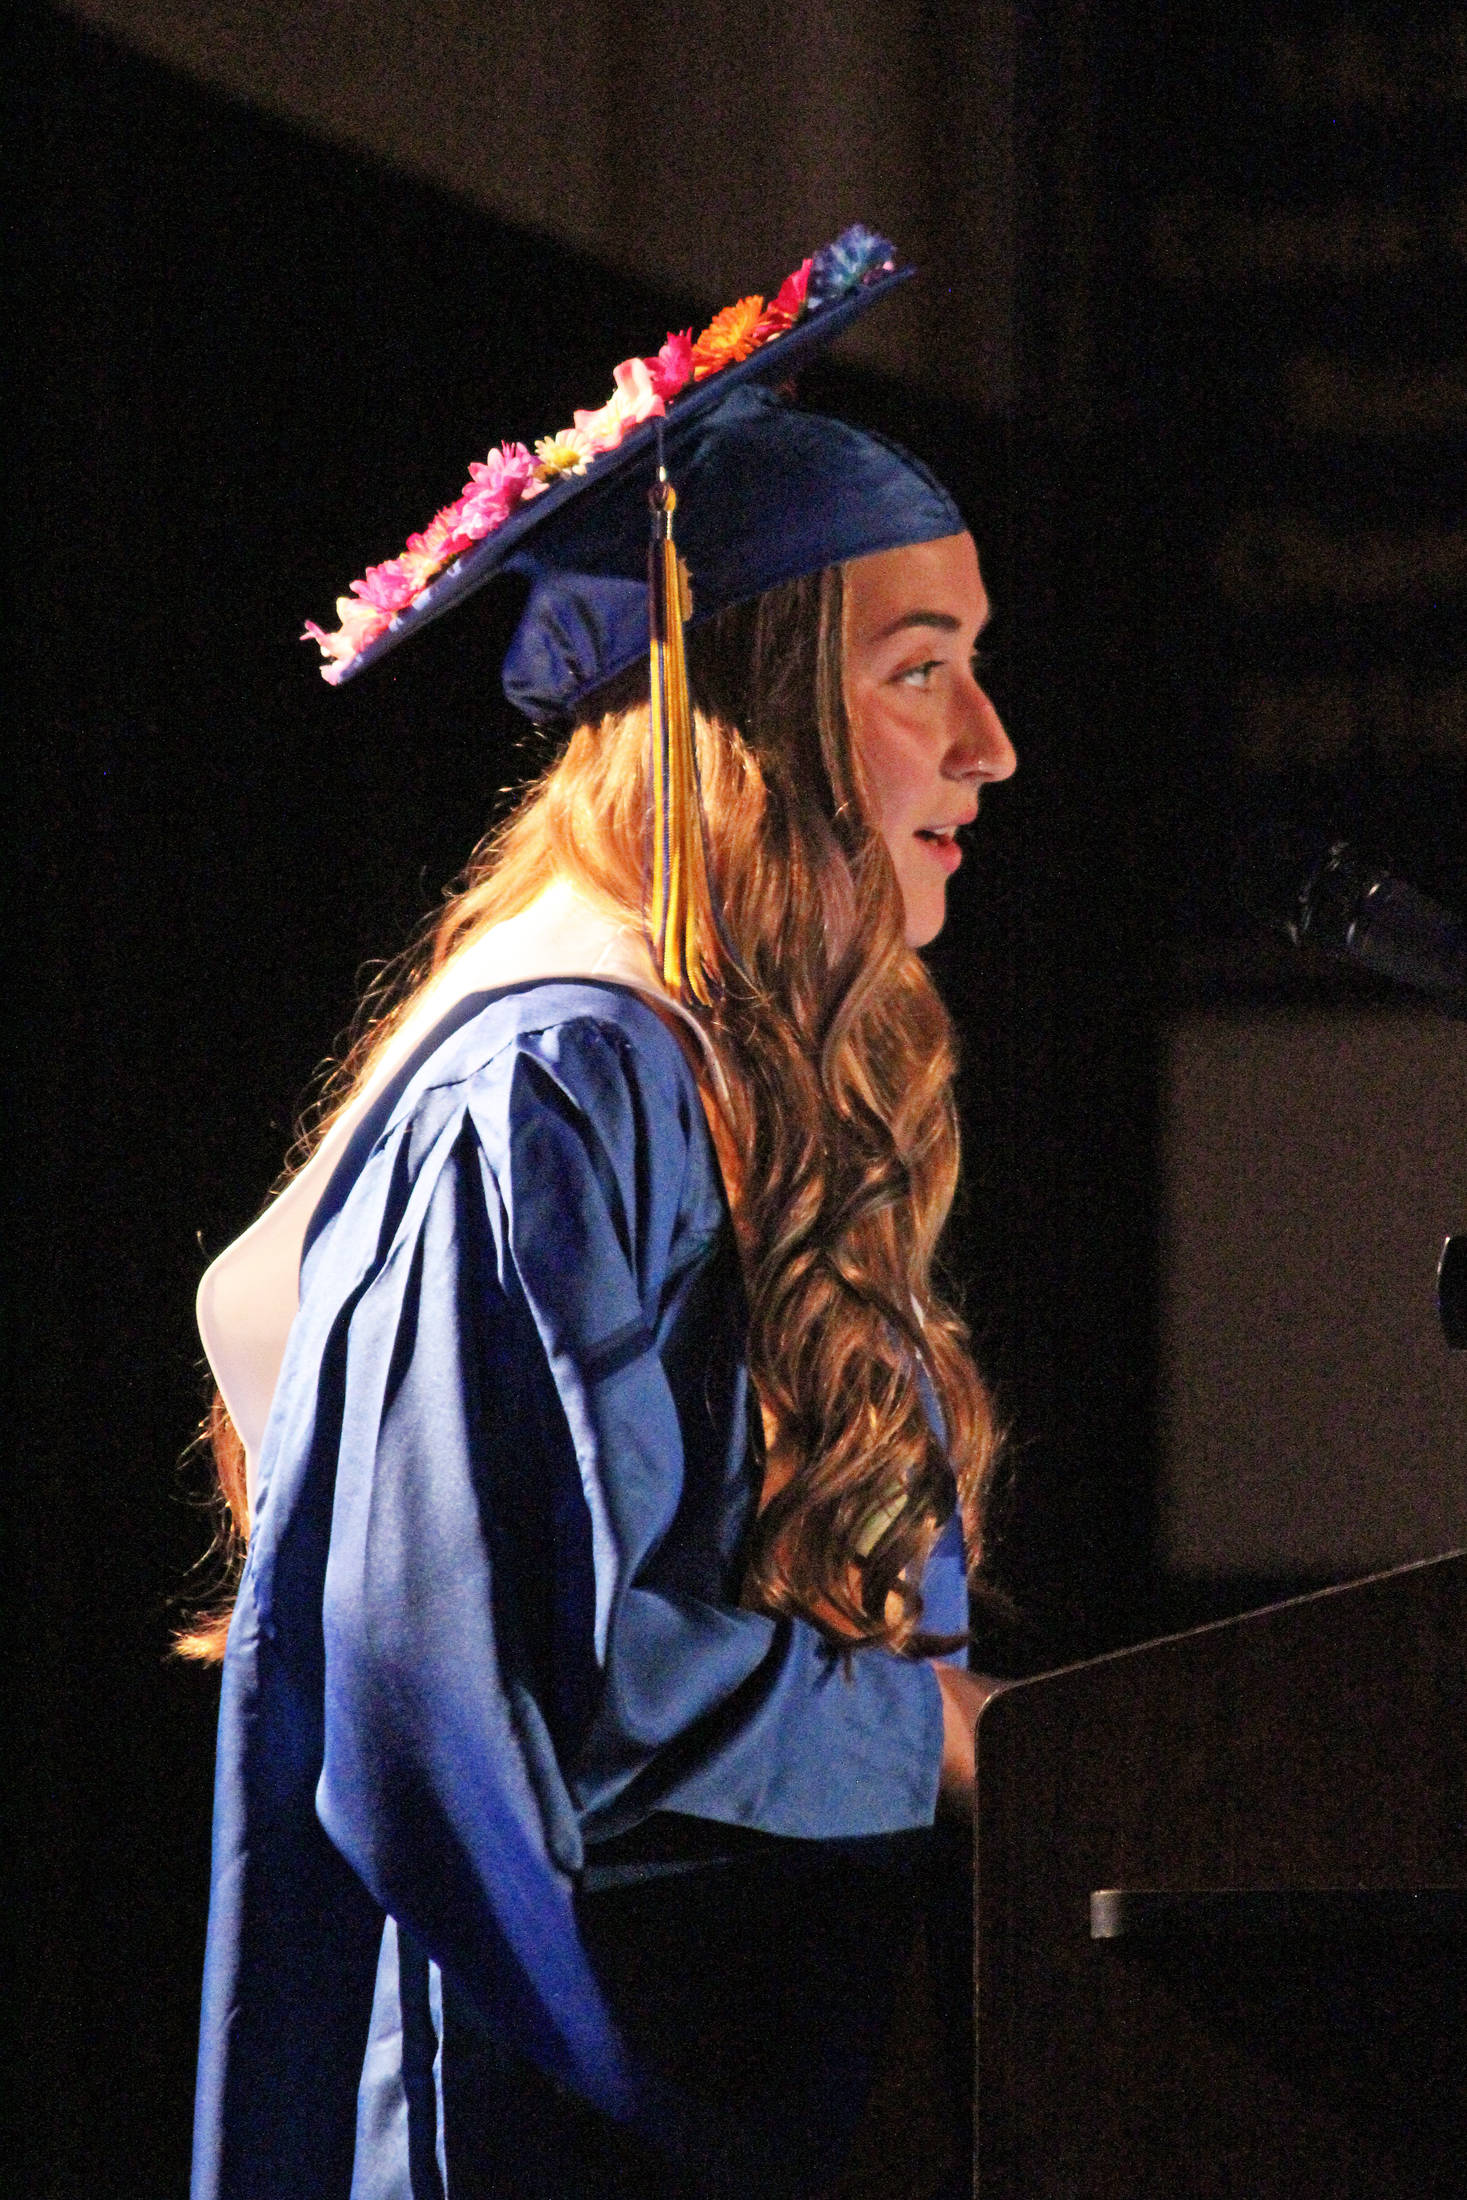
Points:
[(488, 1633)]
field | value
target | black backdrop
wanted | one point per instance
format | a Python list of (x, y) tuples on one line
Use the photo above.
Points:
[(254, 360)]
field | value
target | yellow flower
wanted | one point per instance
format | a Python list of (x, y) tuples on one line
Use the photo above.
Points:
[(565, 453)]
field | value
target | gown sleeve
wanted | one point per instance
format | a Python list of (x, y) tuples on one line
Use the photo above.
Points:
[(702, 1707)]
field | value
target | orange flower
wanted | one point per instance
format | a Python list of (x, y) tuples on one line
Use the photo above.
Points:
[(417, 567), (432, 543), (728, 337)]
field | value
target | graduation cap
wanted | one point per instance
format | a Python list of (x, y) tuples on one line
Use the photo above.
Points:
[(756, 492)]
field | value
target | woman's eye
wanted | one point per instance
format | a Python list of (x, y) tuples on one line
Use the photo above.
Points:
[(919, 676)]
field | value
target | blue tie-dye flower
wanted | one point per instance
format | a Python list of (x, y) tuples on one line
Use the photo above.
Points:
[(857, 256)]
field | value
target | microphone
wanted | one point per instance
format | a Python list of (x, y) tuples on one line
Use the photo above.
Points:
[(1322, 893)]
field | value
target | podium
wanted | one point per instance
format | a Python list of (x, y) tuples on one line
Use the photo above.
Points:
[(1221, 1910)]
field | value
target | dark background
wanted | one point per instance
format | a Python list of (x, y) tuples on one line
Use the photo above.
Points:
[(254, 360)]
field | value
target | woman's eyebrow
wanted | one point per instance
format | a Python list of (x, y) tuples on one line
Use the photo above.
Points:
[(942, 620)]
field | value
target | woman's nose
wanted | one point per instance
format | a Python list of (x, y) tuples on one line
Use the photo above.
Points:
[(981, 747)]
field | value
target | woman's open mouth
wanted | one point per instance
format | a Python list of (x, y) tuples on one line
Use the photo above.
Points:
[(943, 842)]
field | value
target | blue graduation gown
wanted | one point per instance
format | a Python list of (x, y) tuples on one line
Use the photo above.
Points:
[(489, 1622)]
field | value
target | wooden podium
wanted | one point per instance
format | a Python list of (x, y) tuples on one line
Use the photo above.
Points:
[(1221, 1923)]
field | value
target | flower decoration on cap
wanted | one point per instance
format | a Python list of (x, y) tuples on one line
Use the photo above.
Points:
[(569, 452), (729, 336), (856, 255), (644, 389)]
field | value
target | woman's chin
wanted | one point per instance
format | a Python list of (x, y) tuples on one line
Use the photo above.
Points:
[(924, 923)]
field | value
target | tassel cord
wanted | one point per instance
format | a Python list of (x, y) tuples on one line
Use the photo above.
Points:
[(683, 928)]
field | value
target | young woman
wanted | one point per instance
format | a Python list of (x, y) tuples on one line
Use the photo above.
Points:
[(607, 1452)]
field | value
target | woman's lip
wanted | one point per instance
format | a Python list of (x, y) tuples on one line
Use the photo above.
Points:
[(943, 848)]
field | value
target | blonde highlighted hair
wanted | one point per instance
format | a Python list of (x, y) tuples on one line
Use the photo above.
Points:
[(836, 1126)]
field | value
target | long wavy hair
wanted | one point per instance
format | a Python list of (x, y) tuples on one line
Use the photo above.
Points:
[(835, 1128)]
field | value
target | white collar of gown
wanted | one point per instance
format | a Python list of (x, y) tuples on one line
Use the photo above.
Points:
[(249, 1296)]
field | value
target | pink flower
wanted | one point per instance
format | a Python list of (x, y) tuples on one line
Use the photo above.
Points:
[(784, 310), (604, 428), (502, 476), (478, 516), (361, 623), (448, 531), (388, 587), (496, 486), (634, 400), (673, 366), (637, 392), (430, 543)]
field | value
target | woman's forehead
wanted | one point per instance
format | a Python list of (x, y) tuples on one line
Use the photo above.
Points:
[(923, 583)]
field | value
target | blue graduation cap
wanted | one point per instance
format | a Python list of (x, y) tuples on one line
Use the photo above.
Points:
[(764, 493)]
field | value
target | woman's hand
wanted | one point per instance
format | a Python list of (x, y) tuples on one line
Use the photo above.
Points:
[(963, 1696)]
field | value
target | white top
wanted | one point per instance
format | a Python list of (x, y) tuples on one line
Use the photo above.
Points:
[(249, 1296)]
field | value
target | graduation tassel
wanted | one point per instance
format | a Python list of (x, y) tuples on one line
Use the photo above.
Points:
[(681, 920)]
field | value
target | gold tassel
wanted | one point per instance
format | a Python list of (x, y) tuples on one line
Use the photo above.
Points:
[(680, 918)]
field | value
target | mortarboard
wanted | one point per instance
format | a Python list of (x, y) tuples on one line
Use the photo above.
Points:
[(763, 491)]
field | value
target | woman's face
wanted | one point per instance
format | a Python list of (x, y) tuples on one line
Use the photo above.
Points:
[(925, 732)]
